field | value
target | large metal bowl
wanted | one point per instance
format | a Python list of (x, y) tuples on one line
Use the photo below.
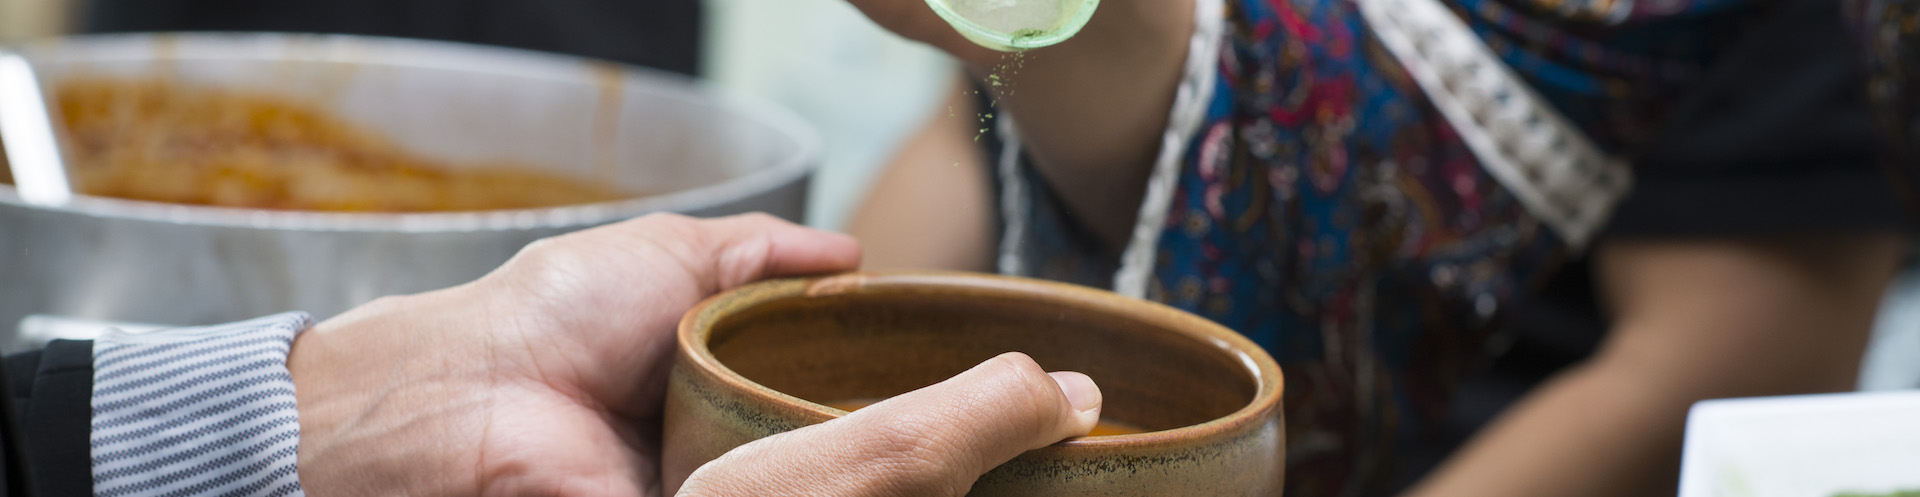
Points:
[(119, 260)]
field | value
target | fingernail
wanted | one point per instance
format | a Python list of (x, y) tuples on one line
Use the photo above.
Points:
[(1080, 390)]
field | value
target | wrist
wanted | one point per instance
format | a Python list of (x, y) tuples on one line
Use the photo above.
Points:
[(368, 383)]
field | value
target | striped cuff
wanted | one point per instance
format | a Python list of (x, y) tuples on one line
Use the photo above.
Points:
[(197, 411)]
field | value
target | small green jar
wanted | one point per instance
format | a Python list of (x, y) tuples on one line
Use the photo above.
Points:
[(1016, 25)]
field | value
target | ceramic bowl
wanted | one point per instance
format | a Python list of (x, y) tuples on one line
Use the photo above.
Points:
[(761, 360)]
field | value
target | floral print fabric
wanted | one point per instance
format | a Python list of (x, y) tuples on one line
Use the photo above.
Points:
[(1326, 211)]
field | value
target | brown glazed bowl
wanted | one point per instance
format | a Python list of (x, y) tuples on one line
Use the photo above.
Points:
[(759, 360)]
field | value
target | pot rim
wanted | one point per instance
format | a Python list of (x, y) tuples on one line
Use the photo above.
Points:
[(807, 143), (696, 329)]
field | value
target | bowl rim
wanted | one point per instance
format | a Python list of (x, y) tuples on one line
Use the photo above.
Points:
[(808, 147), (696, 328)]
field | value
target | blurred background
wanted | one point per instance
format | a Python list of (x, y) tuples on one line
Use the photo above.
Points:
[(861, 87)]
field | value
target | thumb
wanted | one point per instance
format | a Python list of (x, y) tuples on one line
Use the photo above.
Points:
[(932, 441), (717, 254), (749, 247)]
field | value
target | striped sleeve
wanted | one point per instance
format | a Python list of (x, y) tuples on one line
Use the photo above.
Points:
[(197, 411)]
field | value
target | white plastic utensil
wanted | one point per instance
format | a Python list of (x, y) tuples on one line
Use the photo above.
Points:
[(26, 127)]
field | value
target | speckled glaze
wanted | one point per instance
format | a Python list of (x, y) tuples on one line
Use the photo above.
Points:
[(755, 361)]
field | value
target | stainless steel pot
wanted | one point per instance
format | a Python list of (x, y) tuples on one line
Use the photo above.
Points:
[(111, 259)]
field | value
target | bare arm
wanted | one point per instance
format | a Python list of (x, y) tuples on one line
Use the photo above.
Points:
[(1694, 320), (931, 208), (1091, 110)]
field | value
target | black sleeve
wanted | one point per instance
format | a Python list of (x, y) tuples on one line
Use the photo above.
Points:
[(1778, 139), (51, 420), (13, 472)]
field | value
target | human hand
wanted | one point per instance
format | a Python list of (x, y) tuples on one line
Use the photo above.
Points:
[(545, 377), (1121, 29), (930, 442)]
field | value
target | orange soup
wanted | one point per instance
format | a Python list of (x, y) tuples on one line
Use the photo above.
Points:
[(1104, 429), (161, 141)]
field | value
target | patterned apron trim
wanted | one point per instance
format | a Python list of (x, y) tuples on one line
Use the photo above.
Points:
[(1544, 159), (1014, 204), (1189, 112)]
